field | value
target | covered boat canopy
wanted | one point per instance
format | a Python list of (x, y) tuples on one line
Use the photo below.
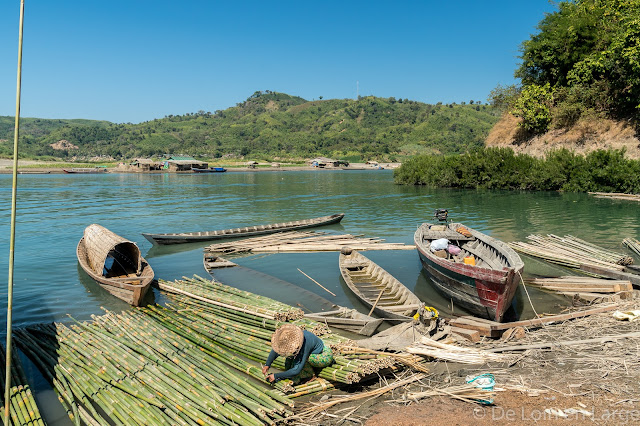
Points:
[(102, 244)]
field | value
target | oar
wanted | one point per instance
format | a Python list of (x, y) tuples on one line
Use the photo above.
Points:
[(377, 300)]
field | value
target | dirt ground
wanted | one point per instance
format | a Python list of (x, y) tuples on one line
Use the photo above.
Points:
[(589, 374), (509, 408)]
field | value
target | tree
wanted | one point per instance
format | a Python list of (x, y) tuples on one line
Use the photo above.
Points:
[(533, 106)]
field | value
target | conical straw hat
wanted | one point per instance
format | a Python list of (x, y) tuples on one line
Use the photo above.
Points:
[(287, 340)]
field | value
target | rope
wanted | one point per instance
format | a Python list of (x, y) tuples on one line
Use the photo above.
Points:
[(527, 292)]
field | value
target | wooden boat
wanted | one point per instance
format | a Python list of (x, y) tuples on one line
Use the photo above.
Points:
[(188, 237), (210, 170), (377, 288), (348, 319), (99, 169), (212, 261), (115, 264), (487, 288)]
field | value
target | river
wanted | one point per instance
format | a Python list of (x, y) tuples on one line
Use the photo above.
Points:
[(53, 211)]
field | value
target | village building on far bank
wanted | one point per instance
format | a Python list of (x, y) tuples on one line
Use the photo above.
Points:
[(323, 162), (145, 165), (181, 163)]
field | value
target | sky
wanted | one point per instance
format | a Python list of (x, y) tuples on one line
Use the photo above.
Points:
[(138, 60)]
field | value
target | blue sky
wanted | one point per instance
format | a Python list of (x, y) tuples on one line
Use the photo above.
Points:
[(136, 60)]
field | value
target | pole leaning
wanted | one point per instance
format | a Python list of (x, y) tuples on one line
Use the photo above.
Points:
[(14, 191)]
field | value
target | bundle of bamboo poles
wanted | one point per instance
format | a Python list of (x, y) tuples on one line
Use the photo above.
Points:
[(193, 361), (213, 292), (571, 252), (633, 244), (23, 409), (242, 334), (616, 195), (295, 241), (467, 392), (155, 376), (586, 288)]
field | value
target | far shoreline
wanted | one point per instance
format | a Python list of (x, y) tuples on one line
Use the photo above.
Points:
[(26, 167)]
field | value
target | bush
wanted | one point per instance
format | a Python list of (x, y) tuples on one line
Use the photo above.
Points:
[(500, 168)]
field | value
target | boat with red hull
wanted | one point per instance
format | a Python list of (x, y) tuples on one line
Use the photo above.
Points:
[(485, 288)]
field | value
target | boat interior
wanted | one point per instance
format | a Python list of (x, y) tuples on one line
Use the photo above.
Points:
[(485, 255)]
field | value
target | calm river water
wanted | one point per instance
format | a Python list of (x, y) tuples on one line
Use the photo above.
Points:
[(53, 211)]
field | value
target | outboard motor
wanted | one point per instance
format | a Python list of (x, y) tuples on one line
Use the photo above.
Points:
[(441, 214)]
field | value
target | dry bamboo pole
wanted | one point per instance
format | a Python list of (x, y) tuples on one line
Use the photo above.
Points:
[(321, 286), (12, 238)]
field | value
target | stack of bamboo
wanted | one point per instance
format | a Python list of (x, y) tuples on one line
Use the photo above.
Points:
[(190, 362), (571, 252), (22, 405), (155, 375), (241, 333), (633, 244), (247, 332), (295, 241), (215, 293), (586, 288)]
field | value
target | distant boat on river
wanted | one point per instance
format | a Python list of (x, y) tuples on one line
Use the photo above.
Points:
[(97, 169), (115, 264), (210, 170), (482, 278), (188, 237)]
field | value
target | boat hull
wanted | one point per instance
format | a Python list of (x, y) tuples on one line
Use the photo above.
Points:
[(485, 292), (376, 288), (188, 237)]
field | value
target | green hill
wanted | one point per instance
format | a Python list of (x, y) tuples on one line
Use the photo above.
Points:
[(269, 125)]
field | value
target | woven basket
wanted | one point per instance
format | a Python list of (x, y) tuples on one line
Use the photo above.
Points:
[(100, 243)]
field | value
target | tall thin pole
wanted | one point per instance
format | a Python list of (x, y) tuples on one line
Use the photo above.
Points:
[(14, 192)]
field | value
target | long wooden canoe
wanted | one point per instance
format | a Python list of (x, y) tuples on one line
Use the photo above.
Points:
[(187, 237), (115, 264), (371, 284), (485, 289), (348, 319)]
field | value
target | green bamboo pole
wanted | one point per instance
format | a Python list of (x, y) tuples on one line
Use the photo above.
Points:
[(12, 238)]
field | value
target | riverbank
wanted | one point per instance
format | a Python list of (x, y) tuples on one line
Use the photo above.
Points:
[(42, 167)]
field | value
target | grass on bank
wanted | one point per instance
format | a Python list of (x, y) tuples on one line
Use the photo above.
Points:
[(501, 168)]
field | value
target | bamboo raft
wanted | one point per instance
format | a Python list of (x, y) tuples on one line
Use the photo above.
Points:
[(191, 362), (616, 195), (295, 241), (186, 237), (384, 294), (632, 244), (586, 258), (586, 288)]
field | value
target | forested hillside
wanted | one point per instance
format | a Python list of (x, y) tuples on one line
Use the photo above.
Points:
[(270, 125), (582, 64)]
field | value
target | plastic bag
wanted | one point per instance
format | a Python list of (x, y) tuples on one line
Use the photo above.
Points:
[(484, 381), (439, 244), (454, 250)]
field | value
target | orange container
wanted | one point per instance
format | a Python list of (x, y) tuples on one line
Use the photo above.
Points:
[(470, 260)]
